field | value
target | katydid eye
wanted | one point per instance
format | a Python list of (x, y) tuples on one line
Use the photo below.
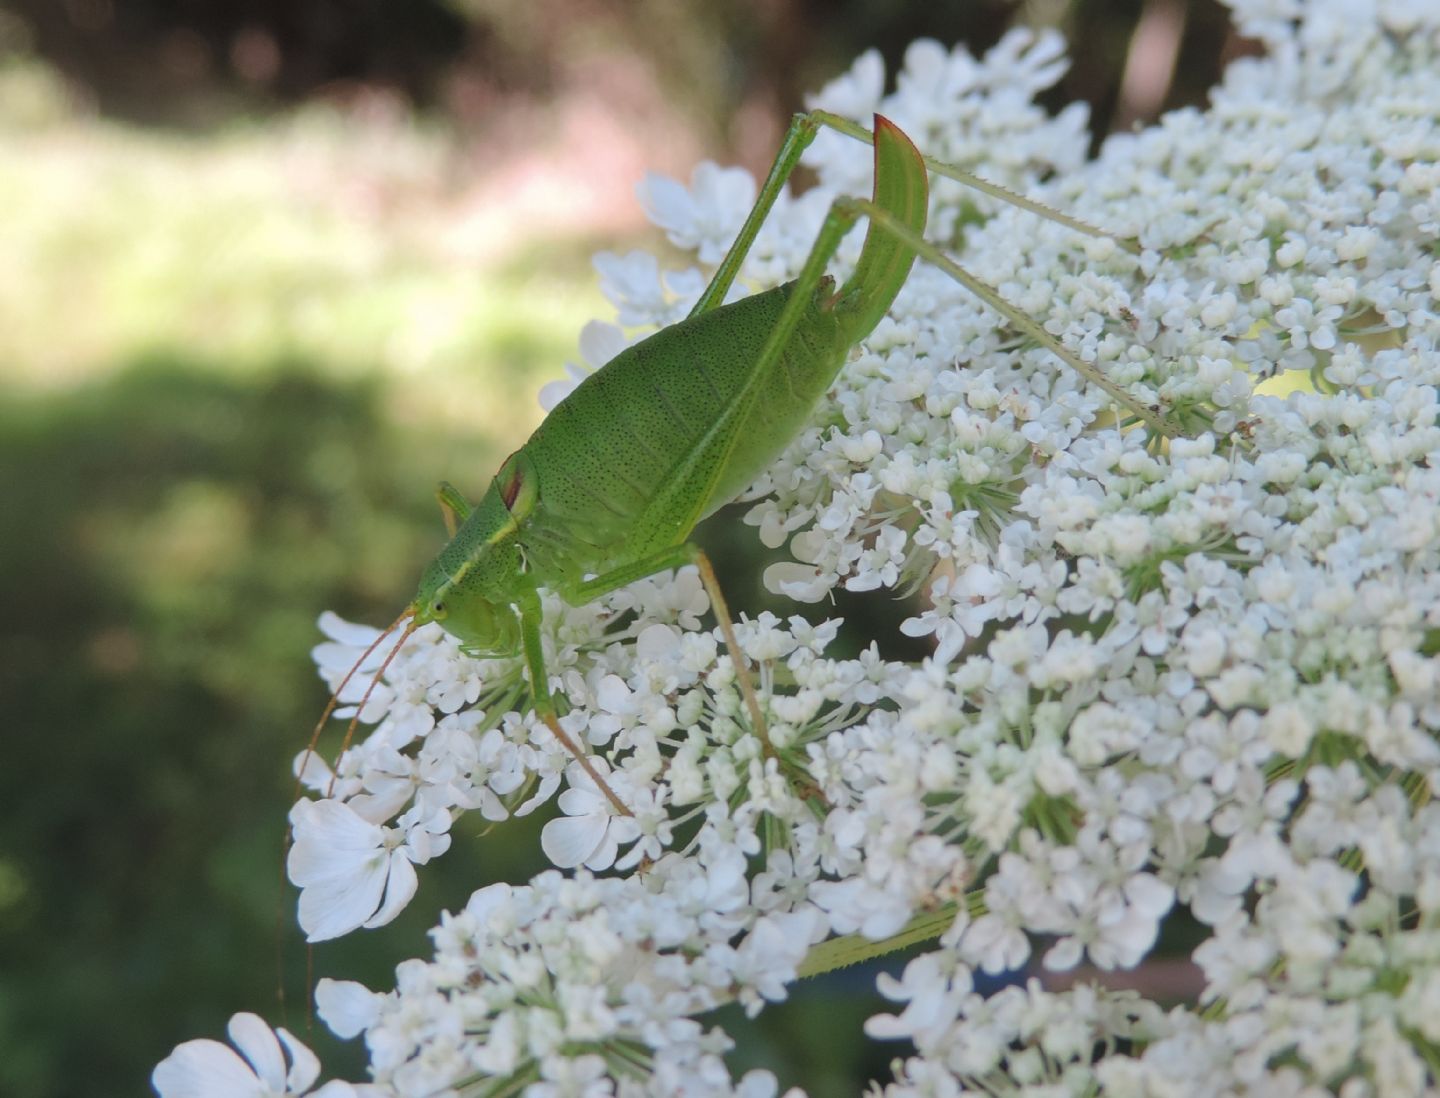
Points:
[(438, 609)]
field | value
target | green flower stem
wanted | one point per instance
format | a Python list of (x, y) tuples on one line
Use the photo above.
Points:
[(853, 949)]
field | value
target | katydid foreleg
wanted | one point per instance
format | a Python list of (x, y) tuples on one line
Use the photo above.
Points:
[(530, 618)]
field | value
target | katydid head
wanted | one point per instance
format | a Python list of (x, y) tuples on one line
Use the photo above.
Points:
[(468, 589), (482, 626)]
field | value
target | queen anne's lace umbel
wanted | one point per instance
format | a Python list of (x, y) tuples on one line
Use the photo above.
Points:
[(1201, 674)]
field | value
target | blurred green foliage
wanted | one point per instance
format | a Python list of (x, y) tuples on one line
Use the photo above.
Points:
[(213, 426)]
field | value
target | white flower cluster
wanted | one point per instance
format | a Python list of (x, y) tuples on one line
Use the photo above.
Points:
[(565, 982), (1203, 673)]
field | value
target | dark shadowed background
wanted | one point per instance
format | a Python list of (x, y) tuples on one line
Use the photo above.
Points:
[(269, 270)]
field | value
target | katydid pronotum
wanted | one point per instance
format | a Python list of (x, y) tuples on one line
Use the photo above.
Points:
[(609, 487)]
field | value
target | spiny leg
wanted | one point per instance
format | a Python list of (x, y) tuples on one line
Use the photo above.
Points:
[(882, 216), (798, 137), (950, 171), (937, 258), (688, 553)]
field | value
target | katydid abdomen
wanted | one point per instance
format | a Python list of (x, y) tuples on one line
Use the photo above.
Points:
[(664, 434)]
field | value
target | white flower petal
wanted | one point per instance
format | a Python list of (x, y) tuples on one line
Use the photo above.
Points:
[(304, 1064), (400, 885), (256, 1042), (347, 1007), (205, 1069), (568, 842)]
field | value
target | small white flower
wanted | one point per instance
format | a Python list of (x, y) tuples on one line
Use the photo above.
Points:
[(208, 1069), (353, 873), (704, 217), (591, 832), (347, 1007)]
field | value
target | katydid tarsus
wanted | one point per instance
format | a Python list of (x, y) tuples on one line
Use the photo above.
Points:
[(610, 486)]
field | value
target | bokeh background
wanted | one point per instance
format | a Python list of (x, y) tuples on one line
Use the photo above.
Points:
[(269, 269)]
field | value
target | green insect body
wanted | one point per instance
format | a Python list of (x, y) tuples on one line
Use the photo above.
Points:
[(629, 462), (608, 489)]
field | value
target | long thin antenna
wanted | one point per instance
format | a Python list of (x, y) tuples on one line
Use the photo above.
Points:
[(300, 781), (335, 697), (379, 674)]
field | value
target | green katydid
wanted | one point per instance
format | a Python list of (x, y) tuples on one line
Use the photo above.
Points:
[(609, 487)]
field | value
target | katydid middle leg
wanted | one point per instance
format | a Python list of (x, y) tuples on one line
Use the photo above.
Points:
[(686, 553), (531, 616)]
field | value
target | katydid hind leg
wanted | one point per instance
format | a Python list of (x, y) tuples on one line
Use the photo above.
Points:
[(798, 136), (675, 557), (858, 132), (884, 221)]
